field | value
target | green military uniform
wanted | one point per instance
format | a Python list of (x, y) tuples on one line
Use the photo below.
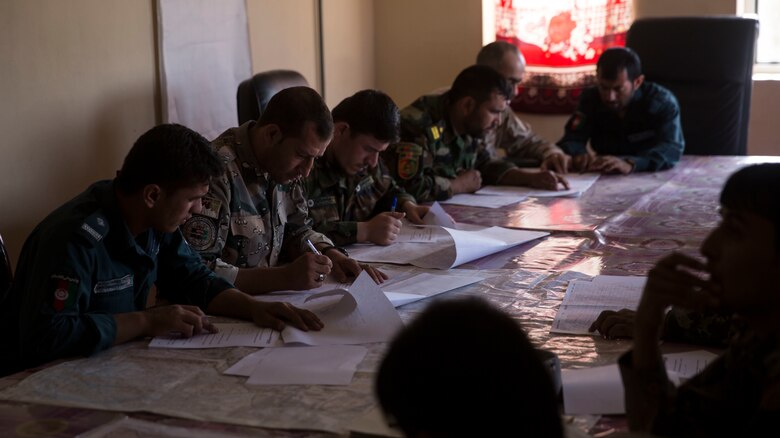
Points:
[(81, 266), (337, 202), (699, 328), (431, 154), (248, 220), (515, 141)]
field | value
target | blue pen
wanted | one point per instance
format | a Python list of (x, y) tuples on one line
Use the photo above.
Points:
[(394, 204), (313, 248)]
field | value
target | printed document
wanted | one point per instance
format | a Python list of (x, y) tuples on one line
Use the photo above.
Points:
[(586, 299)]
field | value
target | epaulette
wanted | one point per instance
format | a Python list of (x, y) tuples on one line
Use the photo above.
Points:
[(94, 228)]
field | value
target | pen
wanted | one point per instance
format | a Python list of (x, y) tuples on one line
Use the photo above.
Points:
[(394, 204), (313, 248)]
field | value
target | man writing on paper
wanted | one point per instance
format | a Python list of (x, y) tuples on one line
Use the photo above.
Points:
[(255, 216), (349, 191), (632, 125), (441, 153), (513, 140), (84, 273)]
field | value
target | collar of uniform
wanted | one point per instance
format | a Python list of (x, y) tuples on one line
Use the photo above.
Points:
[(328, 173), (243, 146), (436, 106), (119, 237), (639, 94)]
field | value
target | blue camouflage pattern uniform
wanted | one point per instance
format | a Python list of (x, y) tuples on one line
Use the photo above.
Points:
[(337, 201), (738, 394), (248, 220), (649, 135), (79, 267), (430, 153)]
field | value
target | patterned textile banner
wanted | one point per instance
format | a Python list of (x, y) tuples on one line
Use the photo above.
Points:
[(561, 41)]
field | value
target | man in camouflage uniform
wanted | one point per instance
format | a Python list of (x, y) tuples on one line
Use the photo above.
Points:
[(441, 152), (513, 139), (255, 216), (349, 191)]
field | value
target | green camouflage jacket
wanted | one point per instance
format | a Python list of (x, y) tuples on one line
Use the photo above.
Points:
[(248, 220), (337, 202)]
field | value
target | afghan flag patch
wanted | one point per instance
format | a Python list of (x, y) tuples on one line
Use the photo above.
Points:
[(65, 290)]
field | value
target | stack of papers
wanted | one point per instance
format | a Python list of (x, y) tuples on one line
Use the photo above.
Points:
[(586, 299), (499, 196), (435, 247), (360, 315)]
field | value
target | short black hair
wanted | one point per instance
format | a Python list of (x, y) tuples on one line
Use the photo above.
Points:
[(370, 112), (464, 369), (616, 59), (479, 82), (755, 189), (293, 107), (492, 55), (171, 156)]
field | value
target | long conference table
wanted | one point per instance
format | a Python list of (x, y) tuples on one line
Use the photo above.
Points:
[(620, 226)]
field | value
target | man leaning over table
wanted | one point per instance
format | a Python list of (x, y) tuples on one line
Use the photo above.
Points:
[(254, 228), (513, 139), (349, 191), (632, 124), (85, 271), (441, 154)]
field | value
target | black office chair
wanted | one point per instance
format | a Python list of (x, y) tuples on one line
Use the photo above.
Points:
[(6, 274), (254, 93), (707, 62)]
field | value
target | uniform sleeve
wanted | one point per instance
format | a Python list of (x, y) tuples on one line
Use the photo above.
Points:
[(578, 128), (697, 328), (182, 277), (520, 142), (411, 165), (207, 231), (54, 319), (649, 395), (490, 169), (670, 144), (298, 227)]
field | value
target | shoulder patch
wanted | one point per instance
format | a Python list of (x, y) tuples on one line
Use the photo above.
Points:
[(94, 228), (576, 120), (408, 159), (64, 290), (200, 232)]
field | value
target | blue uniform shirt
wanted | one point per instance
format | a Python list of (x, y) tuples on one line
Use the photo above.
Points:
[(79, 267), (649, 135)]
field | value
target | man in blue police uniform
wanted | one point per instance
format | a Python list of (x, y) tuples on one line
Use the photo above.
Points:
[(84, 274), (633, 125)]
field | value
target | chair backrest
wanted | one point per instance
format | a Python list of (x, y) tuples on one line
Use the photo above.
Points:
[(6, 274), (254, 93), (707, 62)]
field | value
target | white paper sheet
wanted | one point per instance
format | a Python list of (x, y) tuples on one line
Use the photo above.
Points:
[(426, 285), (328, 365), (362, 315), (229, 335), (486, 201), (463, 247), (204, 53), (578, 184), (585, 300), (437, 216), (599, 390)]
